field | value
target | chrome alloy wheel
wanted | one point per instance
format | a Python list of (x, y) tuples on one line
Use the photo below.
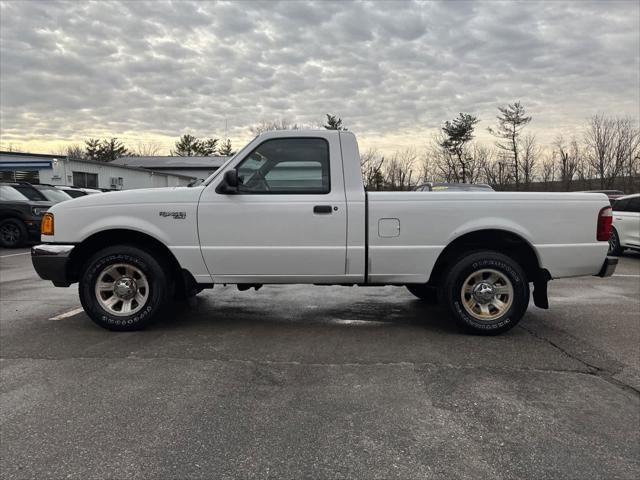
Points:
[(122, 289), (613, 242), (487, 294)]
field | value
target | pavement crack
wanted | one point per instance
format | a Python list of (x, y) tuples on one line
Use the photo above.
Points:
[(592, 369), (292, 363)]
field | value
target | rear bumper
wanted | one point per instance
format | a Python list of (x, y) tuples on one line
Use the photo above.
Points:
[(608, 267), (51, 261)]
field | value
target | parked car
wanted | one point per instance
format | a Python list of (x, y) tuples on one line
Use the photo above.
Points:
[(76, 192), (626, 224), (454, 187), (291, 208), (20, 217), (611, 194), (42, 192)]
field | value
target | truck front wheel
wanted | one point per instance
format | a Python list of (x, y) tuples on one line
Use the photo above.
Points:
[(486, 292), (123, 288)]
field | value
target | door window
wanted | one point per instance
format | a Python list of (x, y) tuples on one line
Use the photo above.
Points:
[(620, 205), (634, 205), (286, 166)]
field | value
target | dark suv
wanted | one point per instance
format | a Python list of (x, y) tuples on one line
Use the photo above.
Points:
[(20, 216)]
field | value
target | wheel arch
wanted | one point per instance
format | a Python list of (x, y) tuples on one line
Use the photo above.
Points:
[(95, 242), (504, 241)]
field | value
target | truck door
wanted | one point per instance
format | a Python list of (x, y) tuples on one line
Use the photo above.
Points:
[(287, 222)]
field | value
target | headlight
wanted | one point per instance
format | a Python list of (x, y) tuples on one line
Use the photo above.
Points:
[(37, 211), (46, 227)]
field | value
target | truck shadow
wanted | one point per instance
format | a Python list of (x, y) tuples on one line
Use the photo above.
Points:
[(204, 311)]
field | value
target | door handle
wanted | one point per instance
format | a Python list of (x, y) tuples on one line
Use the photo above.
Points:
[(322, 209)]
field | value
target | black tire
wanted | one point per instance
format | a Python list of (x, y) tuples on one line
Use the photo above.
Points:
[(428, 295), (614, 244), (482, 263), (159, 288), (13, 233)]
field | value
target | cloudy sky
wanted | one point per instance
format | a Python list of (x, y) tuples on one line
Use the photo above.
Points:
[(394, 71)]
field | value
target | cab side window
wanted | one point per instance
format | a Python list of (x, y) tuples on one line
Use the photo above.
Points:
[(286, 166)]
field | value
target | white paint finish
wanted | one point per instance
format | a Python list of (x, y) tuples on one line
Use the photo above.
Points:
[(277, 238), (137, 210), (627, 224), (388, 227), (356, 205), (431, 220), (276, 234)]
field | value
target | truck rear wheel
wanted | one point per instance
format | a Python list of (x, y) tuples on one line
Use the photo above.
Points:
[(123, 288), (486, 292)]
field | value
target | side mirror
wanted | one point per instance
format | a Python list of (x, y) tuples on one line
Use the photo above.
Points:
[(229, 182)]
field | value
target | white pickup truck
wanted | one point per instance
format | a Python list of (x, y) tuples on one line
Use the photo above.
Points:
[(290, 207)]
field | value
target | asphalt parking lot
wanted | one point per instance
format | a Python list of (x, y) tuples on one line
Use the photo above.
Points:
[(322, 382)]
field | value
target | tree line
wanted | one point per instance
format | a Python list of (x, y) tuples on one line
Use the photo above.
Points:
[(606, 154), (109, 149)]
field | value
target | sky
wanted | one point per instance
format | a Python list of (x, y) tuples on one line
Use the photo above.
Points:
[(393, 71)]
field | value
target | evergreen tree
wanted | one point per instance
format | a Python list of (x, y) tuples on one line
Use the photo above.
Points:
[(92, 146), (208, 147), (457, 133), (225, 148), (187, 146), (111, 149), (334, 122), (511, 121)]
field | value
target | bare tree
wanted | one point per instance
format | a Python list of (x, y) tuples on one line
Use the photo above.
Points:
[(149, 149), (601, 138), (371, 163), (568, 157), (549, 170), (267, 125), (511, 121), (529, 159), (400, 171), (75, 151), (627, 149)]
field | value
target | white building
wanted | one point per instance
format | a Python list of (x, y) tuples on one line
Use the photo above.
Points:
[(60, 170), (198, 167)]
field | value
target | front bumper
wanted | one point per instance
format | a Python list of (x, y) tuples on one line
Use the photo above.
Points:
[(51, 262), (608, 267)]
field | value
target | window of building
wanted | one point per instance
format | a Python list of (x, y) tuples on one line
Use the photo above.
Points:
[(86, 180)]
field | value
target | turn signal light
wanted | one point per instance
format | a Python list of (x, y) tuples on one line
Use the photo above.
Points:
[(46, 227), (603, 232)]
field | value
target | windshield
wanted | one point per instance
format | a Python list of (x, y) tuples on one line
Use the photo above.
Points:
[(31, 193), (224, 165), (54, 195), (10, 194)]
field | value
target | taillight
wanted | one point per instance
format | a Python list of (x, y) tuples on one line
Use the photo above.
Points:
[(603, 233)]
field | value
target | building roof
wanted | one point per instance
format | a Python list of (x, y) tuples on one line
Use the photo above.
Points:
[(17, 160), (172, 162)]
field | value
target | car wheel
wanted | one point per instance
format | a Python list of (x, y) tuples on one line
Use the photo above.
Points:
[(486, 292), (13, 233), (428, 295), (614, 244), (124, 288)]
